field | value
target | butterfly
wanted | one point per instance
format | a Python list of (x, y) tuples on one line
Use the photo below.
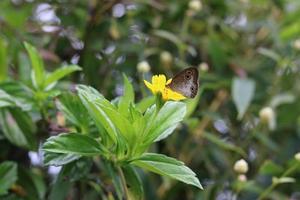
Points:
[(186, 82)]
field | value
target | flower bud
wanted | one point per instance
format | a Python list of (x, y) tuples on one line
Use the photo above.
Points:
[(267, 116), (195, 5), (297, 156), (242, 178), (297, 44), (203, 67), (143, 67), (166, 58), (241, 166)]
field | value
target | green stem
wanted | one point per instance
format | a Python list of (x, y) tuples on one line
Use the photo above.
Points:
[(274, 184), (123, 181), (159, 102)]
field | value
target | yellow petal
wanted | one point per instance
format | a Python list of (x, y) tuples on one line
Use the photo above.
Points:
[(149, 85), (171, 95), (158, 85), (168, 94), (169, 81)]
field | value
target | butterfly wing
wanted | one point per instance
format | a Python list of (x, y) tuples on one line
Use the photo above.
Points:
[(186, 82)]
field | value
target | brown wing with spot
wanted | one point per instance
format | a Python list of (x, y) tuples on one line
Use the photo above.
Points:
[(186, 82)]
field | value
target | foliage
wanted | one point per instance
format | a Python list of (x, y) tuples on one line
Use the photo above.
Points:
[(77, 120)]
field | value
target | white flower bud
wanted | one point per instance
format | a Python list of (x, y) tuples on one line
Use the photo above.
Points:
[(241, 166), (242, 178), (143, 67), (195, 5), (267, 116), (166, 58), (297, 44), (297, 156), (203, 67)]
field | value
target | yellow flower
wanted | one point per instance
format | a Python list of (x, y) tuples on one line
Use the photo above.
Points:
[(158, 85)]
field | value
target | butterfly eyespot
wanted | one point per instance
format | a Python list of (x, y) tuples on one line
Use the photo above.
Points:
[(189, 72), (192, 88), (187, 77)]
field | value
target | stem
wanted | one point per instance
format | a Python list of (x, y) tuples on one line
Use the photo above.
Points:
[(159, 102), (123, 181), (274, 184)]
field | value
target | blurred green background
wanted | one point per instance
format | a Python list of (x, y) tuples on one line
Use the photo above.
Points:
[(247, 52)]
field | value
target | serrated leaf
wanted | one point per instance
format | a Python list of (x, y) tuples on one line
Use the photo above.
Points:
[(167, 166), (74, 111), (88, 96), (58, 159), (242, 94), (8, 176), (73, 143), (106, 115), (165, 121)]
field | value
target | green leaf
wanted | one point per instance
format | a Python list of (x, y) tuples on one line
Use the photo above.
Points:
[(58, 74), (283, 180), (242, 93), (6, 100), (171, 37), (39, 185), (135, 185), (223, 144), (127, 98), (61, 187), (145, 103), (58, 159), (38, 72), (165, 121), (270, 168), (167, 166), (3, 59), (18, 127), (138, 120), (105, 114), (73, 143), (88, 97), (270, 54), (74, 111), (8, 176), (116, 180)]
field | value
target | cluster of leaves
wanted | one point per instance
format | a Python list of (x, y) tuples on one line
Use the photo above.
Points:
[(248, 104), (124, 133)]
